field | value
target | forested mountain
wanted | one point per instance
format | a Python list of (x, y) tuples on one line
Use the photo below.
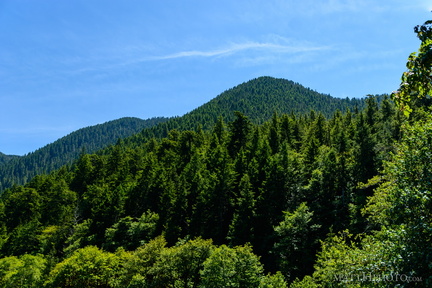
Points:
[(261, 97), (6, 158), (17, 170), (274, 199), (258, 99), (268, 194)]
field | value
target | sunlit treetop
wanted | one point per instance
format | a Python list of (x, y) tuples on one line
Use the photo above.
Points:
[(416, 83)]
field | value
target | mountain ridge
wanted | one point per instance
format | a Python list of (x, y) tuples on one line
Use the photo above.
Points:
[(5, 158), (19, 169), (258, 98)]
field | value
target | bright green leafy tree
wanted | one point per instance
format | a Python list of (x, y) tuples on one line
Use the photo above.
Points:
[(87, 267), (23, 271), (232, 267), (416, 85)]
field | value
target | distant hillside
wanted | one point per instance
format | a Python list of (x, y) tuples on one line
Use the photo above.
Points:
[(6, 158), (258, 99), (17, 170)]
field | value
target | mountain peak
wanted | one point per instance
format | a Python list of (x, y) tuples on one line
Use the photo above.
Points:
[(259, 98)]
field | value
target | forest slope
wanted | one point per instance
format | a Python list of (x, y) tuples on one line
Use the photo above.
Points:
[(6, 158), (17, 170)]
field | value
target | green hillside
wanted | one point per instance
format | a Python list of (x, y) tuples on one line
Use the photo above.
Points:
[(258, 99), (6, 158), (18, 170)]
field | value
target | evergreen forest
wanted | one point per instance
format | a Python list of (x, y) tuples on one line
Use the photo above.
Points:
[(19, 169), (257, 98), (241, 192)]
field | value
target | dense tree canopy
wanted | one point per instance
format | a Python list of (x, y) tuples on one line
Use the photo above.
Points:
[(266, 194), (240, 199)]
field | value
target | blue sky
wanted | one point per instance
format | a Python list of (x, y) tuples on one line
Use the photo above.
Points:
[(65, 65)]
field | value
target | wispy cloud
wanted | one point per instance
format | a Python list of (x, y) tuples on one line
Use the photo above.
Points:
[(236, 48), (248, 53)]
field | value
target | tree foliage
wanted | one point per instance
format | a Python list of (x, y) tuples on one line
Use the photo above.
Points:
[(416, 85)]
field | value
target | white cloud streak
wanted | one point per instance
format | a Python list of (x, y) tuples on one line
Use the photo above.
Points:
[(249, 53), (238, 48)]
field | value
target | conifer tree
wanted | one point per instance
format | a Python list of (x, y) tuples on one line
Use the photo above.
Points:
[(242, 225)]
